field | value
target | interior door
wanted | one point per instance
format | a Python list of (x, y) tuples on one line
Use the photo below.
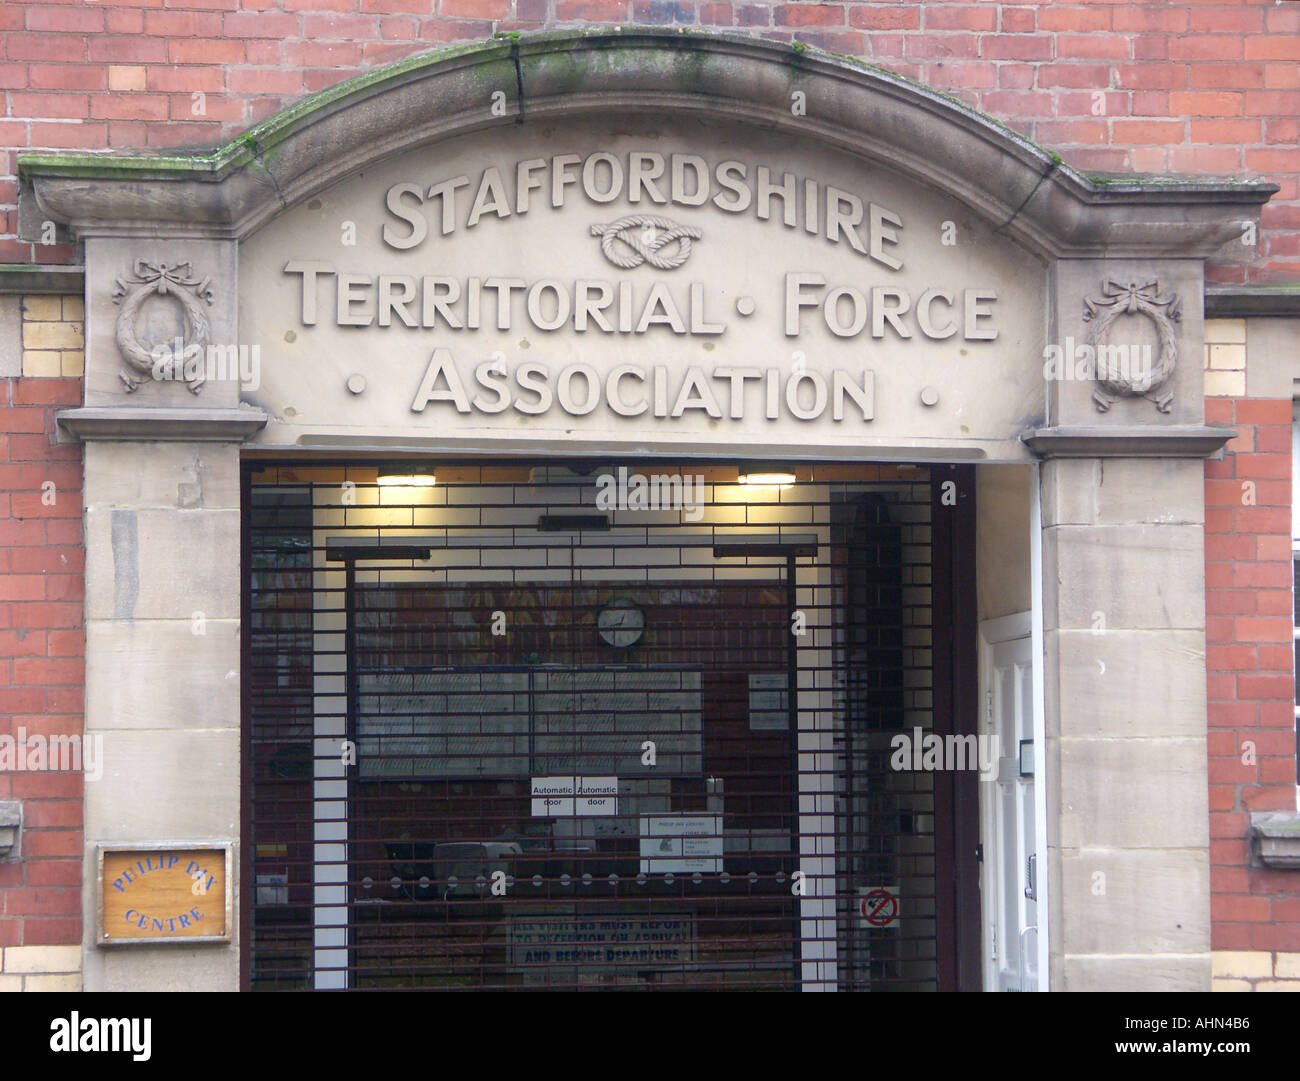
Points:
[(1010, 880)]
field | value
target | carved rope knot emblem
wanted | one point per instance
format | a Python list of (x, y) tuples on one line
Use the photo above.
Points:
[(1124, 369), (646, 238), (165, 343)]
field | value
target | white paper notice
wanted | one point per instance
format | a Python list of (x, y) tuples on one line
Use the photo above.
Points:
[(769, 701), (596, 796), (682, 844), (557, 797), (552, 796)]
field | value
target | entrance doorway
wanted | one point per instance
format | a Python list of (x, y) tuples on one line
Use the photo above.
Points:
[(607, 725)]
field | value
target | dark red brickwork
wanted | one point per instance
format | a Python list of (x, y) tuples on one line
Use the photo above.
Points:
[(42, 650), (1249, 662), (1148, 87)]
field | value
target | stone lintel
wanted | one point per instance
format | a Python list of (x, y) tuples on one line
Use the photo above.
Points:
[(1175, 441)]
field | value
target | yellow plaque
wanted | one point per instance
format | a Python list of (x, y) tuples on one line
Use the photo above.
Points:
[(164, 893)]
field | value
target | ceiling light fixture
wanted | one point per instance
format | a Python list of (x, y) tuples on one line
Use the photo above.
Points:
[(766, 476), (406, 475)]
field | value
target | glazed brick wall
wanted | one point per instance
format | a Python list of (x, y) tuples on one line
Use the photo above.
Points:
[(1250, 670), (42, 650), (1113, 86)]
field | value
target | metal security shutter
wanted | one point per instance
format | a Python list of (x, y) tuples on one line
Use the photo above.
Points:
[(427, 667)]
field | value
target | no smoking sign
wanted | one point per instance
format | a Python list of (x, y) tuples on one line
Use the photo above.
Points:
[(878, 907)]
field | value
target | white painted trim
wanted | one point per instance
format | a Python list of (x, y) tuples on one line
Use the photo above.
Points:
[(993, 632), (1007, 628), (1040, 725)]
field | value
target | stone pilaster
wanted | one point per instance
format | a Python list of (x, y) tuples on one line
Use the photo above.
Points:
[(162, 678), (1127, 803), (1124, 631), (162, 531)]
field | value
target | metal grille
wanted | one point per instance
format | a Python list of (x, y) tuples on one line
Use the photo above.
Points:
[(537, 726)]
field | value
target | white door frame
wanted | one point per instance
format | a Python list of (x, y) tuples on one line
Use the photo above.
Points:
[(1016, 627), (1040, 724), (991, 633)]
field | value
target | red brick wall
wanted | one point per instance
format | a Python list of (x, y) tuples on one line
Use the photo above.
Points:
[(1111, 85), (42, 646), (1249, 661)]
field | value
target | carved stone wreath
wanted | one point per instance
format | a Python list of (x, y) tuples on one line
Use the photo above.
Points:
[(163, 279), (1117, 369)]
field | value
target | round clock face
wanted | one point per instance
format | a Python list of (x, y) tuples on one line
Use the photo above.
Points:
[(620, 624)]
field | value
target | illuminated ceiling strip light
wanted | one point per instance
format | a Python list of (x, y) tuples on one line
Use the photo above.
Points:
[(766, 476), (406, 475)]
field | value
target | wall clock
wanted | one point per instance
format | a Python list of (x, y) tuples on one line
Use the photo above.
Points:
[(620, 623)]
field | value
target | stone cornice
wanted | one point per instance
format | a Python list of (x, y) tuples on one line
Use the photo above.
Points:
[(164, 425), (1175, 441), (231, 191)]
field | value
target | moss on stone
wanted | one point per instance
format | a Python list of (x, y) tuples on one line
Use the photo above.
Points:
[(559, 69), (1146, 179)]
